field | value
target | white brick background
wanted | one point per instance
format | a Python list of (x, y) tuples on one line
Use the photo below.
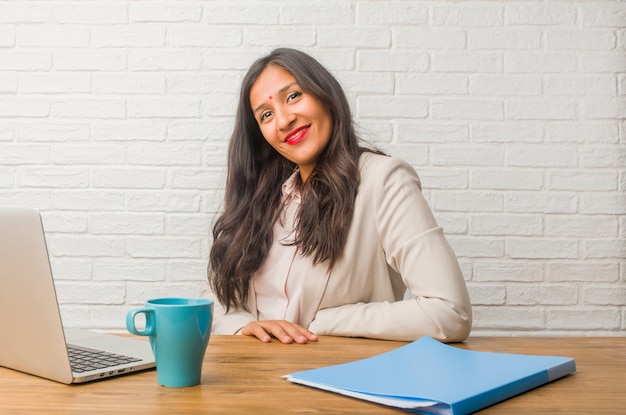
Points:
[(115, 117)]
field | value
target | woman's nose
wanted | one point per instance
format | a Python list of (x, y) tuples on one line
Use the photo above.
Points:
[(285, 119)]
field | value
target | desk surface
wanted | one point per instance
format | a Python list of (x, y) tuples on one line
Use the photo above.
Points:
[(243, 375)]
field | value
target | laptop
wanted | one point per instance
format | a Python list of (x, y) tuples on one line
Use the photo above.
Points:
[(32, 337)]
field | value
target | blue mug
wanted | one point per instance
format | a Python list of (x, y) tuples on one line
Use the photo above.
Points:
[(179, 331)]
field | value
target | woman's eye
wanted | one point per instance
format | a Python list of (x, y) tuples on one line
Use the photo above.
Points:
[(293, 95), (265, 115)]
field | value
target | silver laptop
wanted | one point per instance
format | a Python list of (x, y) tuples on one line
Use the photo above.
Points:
[(32, 338)]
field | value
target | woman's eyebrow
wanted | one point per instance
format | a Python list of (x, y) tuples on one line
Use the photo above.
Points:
[(283, 89)]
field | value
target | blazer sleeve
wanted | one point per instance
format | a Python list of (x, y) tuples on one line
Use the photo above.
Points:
[(228, 323), (414, 246)]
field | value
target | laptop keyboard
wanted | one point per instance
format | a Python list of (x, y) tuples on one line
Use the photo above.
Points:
[(83, 359)]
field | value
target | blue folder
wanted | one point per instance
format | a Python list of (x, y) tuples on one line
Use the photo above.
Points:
[(427, 376)]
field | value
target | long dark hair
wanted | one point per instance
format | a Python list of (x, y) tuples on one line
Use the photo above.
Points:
[(243, 234)]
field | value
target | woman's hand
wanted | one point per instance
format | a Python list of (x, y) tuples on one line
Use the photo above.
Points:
[(283, 330)]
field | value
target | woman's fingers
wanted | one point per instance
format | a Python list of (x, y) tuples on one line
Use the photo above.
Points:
[(285, 331)]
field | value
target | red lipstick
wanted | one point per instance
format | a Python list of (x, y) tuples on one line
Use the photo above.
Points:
[(297, 135)]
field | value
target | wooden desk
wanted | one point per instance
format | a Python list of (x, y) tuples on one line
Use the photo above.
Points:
[(242, 375)]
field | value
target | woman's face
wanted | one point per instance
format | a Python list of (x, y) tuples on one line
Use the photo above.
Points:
[(293, 122)]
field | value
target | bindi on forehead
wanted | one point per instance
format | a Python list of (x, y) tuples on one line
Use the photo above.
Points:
[(270, 97)]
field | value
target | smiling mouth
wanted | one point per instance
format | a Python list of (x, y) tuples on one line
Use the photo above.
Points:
[(297, 135)]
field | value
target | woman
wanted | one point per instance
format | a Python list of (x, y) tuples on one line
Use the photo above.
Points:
[(320, 236)]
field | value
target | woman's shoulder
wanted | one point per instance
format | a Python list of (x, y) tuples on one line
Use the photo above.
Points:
[(380, 164), (381, 173)]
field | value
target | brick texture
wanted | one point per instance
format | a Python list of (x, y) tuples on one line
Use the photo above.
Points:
[(115, 118)]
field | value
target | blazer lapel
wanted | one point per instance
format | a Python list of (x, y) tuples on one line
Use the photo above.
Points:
[(251, 303), (314, 286)]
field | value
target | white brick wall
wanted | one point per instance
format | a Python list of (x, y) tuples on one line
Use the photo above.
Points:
[(115, 118)]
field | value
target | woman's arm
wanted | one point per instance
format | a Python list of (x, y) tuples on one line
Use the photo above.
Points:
[(228, 323), (415, 247)]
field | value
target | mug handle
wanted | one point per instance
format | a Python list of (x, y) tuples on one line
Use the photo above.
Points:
[(150, 327)]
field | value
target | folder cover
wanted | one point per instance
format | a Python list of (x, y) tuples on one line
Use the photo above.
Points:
[(427, 376)]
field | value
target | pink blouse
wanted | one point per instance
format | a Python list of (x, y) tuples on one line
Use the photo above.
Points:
[(278, 283)]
